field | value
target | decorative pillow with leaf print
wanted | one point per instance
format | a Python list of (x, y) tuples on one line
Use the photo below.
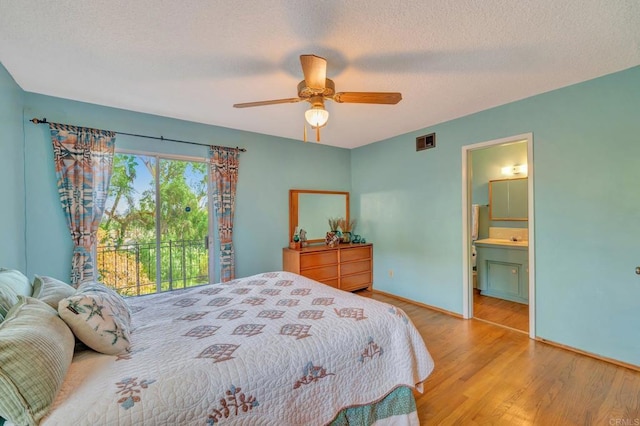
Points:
[(99, 317)]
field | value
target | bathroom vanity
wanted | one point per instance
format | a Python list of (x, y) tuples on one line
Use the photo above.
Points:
[(503, 269)]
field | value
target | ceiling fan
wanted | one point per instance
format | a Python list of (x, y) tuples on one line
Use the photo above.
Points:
[(316, 88)]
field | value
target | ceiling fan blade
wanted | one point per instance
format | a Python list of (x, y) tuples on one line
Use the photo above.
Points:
[(314, 69), (390, 98), (272, 102)]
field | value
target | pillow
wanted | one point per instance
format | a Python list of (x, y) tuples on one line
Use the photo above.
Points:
[(50, 290), (5, 306), (12, 284), (99, 317), (16, 280), (36, 348)]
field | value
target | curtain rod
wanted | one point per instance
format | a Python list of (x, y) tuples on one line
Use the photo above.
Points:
[(161, 138)]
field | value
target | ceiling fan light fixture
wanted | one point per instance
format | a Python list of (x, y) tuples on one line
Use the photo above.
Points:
[(316, 116), (316, 88)]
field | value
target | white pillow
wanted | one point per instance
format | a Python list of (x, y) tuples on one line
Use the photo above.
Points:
[(99, 317), (16, 280), (12, 284), (50, 290)]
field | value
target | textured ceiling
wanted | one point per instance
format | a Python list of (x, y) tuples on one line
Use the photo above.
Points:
[(194, 59)]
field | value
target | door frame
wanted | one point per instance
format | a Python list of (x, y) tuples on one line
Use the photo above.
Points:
[(467, 270)]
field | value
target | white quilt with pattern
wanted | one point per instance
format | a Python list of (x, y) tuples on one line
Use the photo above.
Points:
[(271, 349)]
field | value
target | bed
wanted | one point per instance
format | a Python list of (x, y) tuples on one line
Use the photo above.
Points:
[(271, 349)]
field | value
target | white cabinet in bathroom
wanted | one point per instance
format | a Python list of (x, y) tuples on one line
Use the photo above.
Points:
[(503, 271)]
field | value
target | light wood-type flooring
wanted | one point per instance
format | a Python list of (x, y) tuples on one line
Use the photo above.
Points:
[(500, 311), (489, 375)]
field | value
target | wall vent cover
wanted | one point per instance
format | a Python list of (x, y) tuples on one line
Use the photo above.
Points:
[(425, 142)]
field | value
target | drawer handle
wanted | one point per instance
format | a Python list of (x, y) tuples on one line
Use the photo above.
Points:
[(514, 271)]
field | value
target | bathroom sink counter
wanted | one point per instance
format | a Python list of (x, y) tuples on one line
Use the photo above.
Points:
[(489, 242)]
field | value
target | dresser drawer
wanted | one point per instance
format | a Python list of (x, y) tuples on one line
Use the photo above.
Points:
[(331, 283), (322, 273), (355, 267), (356, 253), (353, 282), (310, 260)]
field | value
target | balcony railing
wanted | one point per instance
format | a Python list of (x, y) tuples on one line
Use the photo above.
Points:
[(131, 269)]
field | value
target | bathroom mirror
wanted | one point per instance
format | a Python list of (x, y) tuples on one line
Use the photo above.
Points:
[(508, 199), (310, 209)]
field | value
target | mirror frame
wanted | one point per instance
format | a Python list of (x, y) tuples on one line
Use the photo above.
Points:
[(293, 208)]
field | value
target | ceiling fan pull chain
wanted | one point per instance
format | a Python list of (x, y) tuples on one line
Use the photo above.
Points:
[(305, 133), (318, 134)]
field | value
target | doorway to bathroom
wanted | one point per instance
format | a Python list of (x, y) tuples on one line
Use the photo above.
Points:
[(498, 238)]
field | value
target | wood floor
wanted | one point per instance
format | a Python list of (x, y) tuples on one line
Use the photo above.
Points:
[(500, 311), (490, 375)]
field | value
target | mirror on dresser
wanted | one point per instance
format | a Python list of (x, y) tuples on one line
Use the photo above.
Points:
[(309, 209)]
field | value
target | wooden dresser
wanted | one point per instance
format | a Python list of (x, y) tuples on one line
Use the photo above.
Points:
[(348, 267)]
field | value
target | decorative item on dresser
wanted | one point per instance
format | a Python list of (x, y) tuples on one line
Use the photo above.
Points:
[(303, 238), (332, 239), (347, 229), (346, 267)]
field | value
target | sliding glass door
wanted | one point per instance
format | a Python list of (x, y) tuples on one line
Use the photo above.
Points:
[(155, 233)]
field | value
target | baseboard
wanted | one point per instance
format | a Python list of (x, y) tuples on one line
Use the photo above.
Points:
[(422, 305), (590, 354)]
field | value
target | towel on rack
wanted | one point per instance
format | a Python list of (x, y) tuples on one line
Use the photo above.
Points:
[(475, 213)]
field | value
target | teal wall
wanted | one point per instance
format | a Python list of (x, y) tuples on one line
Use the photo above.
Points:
[(586, 141), (12, 218), (486, 165), (270, 167)]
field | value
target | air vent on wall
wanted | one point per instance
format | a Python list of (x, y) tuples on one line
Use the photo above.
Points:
[(425, 142)]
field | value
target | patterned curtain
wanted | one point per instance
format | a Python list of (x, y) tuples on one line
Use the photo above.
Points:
[(84, 162), (224, 173)]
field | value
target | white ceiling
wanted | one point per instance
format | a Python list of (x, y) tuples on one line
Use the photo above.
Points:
[(194, 59)]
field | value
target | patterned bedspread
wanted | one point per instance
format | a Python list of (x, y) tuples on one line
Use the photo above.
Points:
[(271, 349)]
